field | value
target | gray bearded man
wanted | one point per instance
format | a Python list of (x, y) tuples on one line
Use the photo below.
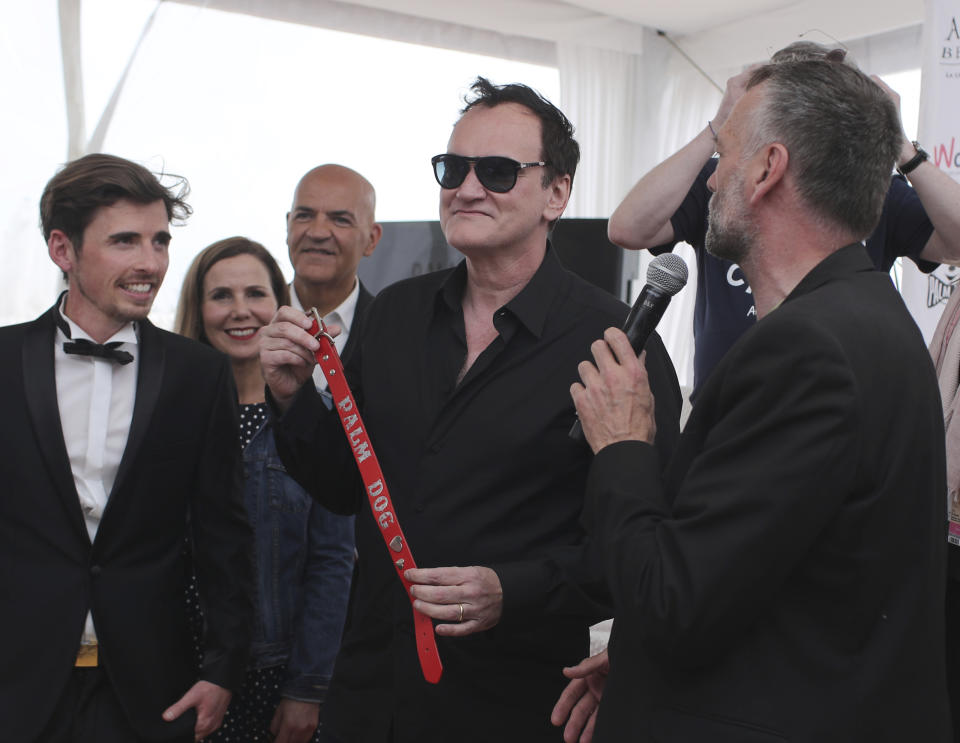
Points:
[(784, 579)]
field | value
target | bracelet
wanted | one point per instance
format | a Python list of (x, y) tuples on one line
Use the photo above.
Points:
[(914, 162)]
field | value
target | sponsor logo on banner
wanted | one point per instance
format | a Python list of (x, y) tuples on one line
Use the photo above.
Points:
[(946, 153), (950, 50), (946, 156), (939, 132)]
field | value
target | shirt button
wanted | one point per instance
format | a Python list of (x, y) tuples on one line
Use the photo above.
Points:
[(95, 571)]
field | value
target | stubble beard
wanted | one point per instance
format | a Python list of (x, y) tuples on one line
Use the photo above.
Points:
[(730, 232)]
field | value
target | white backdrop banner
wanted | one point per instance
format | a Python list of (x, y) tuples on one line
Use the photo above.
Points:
[(939, 133)]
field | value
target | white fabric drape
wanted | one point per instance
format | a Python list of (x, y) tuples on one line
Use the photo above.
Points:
[(632, 111)]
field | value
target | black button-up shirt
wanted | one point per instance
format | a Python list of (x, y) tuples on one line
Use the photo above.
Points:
[(481, 473)]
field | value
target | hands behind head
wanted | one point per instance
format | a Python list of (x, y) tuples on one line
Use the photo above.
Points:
[(736, 87), (906, 148)]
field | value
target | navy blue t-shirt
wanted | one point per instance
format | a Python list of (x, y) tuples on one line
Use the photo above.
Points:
[(724, 308)]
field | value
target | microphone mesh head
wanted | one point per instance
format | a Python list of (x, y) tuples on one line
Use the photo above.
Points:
[(668, 273)]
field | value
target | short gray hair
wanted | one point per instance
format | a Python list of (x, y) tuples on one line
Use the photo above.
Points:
[(842, 133)]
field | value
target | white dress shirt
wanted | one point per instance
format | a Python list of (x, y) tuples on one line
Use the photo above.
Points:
[(95, 398), (341, 316)]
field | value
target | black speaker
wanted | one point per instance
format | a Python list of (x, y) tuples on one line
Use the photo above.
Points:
[(583, 247)]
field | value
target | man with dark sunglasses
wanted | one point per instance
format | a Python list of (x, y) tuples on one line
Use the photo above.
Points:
[(463, 381), (495, 173)]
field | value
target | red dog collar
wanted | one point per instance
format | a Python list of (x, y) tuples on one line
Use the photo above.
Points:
[(376, 487)]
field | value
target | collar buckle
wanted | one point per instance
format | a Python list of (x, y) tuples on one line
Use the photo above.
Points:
[(321, 329)]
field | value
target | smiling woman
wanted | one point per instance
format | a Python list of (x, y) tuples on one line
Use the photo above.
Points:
[(304, 554), (231, 290), (237, 302)]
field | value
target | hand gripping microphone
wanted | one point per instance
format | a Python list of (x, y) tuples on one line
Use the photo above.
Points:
[(666, 276)]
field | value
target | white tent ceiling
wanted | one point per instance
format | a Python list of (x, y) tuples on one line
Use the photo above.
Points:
[(718, 35)]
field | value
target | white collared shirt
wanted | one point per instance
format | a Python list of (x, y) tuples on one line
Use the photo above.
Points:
[(342, 316), (95, 398)]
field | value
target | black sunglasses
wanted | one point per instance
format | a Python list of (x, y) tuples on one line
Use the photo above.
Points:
[(497, 174)]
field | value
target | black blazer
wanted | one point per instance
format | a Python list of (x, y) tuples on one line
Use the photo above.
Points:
[(364, 298), (784, 581), (180, 467)]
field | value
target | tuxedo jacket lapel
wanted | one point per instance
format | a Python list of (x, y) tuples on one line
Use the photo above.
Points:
[(149, 377), (40, 388)]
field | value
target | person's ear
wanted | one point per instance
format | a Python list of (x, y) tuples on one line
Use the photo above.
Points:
[(558, 197), (376, 232), (61, 250), (767, 169)]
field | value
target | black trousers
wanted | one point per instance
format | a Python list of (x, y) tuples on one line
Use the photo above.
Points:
[(953, 651), (327, 737), (89, 712)]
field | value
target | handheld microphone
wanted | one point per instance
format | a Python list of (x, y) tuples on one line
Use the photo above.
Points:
[(666, 275)]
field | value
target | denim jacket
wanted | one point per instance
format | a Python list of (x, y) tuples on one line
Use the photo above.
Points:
[(304, 557)]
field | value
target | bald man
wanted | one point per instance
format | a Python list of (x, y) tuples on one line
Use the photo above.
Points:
[(330, 227)]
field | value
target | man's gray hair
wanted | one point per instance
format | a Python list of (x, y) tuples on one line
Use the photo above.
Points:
[(842, 133)]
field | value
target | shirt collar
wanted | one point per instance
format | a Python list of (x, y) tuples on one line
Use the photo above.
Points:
[(531, 306), (126, 334), (344, 311)]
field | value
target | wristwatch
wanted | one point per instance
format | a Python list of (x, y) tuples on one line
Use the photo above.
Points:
[(910, 165)]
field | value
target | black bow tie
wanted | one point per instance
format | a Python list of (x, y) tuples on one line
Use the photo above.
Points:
[(83, 347)]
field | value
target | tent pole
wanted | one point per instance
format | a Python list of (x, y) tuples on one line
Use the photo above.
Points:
[(70, 54)]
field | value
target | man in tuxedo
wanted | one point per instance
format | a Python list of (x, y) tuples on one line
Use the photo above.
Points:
[(784, 578), (120, 441), (330, 227)]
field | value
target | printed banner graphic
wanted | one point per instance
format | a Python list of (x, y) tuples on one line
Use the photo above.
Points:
[(939, 133)]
